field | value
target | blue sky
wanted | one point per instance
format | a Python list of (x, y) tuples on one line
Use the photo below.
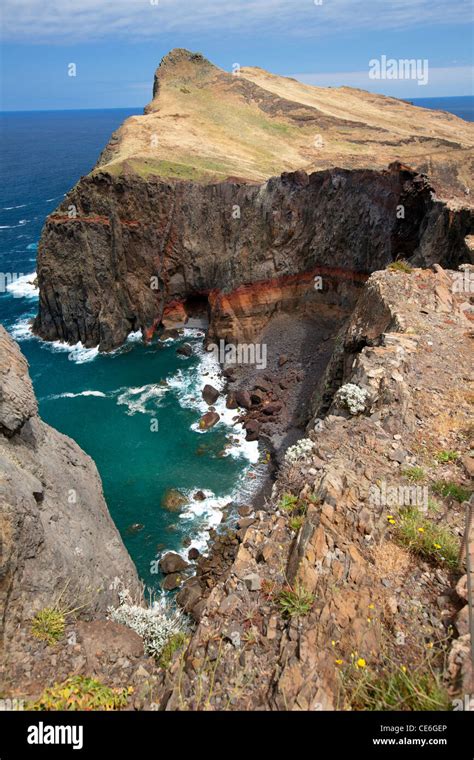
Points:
[(117, 44)]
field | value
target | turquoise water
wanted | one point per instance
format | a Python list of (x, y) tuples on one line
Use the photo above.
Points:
[(111, 404), (140, 432)]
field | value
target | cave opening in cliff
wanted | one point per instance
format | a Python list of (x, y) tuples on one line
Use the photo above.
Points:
[(197, 309)]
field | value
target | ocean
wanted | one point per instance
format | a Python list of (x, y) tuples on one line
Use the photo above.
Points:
[(135, 411)]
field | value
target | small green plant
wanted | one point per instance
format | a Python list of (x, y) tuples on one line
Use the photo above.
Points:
[(414, 474), (433, 506), (443, 457), (450, 490), (295, 602), (296, 522), (400, 266), (81, 693), (288, 502), (426, 538), (48, 625), (393, 688), (174, 644)]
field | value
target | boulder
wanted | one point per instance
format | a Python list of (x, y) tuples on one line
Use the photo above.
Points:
[(173, 500), (189, 594), (199, 496), (171, 334), (208, 420), (185, 350), (210, 394), (172, 582), (231, 402), (272, 408), (193, 554), (243, 399), (252, 429), (172, 563)]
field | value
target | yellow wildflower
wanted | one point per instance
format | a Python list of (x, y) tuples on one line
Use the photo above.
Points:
[(361, 663)]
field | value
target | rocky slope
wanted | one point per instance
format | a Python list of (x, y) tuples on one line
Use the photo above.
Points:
[(59, 544), (180, 208), (377, 607)]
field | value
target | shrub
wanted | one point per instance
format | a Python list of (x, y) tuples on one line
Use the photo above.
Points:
[(175, 642), (446, 456), (393, 688), (400, 266), (156, 624), (295, 602), (414, 474), (451, 490), (296, 522), (426, 538), (48, 625), (299, 451), (352, 397), (81, 693), (288, 502)]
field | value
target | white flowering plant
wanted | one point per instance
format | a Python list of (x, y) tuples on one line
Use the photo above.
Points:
[(299, 451), (352, 397), (155, 624)]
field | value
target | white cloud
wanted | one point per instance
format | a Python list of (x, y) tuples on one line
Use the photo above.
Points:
[(456, 80), (71, 21)]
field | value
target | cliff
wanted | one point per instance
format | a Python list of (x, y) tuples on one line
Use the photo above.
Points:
[(59, 547), (337, 594), (180, 209)]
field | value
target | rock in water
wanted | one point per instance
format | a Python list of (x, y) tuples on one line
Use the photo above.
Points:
[(185, 350), (173, 500), (210, 394), (172, 563), (208, 420)]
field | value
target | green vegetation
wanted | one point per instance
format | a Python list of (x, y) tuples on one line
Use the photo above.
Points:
[(296, 508), (400, 266), (446, 456), (81, 693), (426, 538), (414, 474), (48, 625), (176, 642), (393, 687), (288, 502), (295, 523), (295, 602), (450, 490)]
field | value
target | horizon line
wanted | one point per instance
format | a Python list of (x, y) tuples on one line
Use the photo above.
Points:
[(129, 108)]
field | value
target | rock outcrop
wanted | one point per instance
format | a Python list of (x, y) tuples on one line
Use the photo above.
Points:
[(218, 198), (364, 600), (135, 247), (59, 544)]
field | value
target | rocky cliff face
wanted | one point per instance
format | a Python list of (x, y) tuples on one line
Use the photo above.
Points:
[(59, 544), (122, 253), (326, 592), (180, 206)]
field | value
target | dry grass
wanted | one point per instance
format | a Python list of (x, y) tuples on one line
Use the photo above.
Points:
[(207, 124)]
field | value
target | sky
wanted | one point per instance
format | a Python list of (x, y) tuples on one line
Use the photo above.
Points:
[(116, 46)]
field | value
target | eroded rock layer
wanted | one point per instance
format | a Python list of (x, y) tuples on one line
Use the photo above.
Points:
[(120, 252)]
